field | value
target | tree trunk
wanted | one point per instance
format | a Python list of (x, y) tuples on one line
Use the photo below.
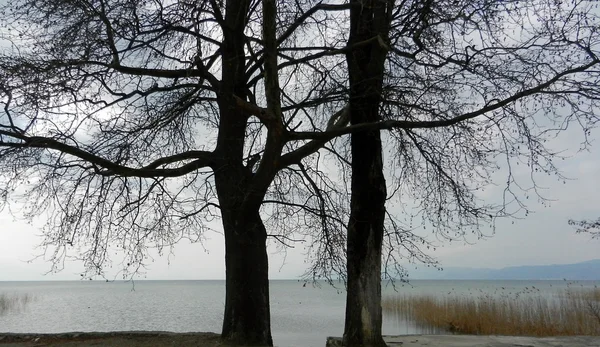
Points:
[(365, 234), (368, 19), (247, 318)]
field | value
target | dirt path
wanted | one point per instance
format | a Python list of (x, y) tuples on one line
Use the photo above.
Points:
[(112, 339), (159, 339), (483, 341)]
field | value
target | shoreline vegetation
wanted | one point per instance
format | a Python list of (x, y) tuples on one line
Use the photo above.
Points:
[(17, 301), (572, 312)]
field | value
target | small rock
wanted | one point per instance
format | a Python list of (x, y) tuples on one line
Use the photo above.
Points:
[(334, 342)]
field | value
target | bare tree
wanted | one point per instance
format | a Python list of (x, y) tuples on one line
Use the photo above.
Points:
[(466, 85), (130, 124)]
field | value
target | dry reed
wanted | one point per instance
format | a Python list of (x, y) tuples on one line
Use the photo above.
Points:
[(10, 302), (572, 313)]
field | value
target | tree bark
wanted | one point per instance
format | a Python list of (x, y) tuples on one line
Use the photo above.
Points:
[(247, 318), (365, 235), (368, 19)]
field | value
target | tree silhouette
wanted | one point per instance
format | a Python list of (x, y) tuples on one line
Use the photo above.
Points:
[(133, 123), (591, 227)]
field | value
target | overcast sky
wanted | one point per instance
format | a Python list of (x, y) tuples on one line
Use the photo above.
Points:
[(544, 237)]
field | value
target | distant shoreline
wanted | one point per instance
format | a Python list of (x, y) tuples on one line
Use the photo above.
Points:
[(583, 271)]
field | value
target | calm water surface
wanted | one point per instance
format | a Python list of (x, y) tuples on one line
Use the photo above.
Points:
[(300, 315)]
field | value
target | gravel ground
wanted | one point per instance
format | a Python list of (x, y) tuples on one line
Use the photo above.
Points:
[(483, 341)]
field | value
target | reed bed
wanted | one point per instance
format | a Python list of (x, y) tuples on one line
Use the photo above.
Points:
[(9, 302), (572, 313)]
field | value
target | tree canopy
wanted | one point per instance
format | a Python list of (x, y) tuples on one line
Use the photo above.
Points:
[(133, 123)]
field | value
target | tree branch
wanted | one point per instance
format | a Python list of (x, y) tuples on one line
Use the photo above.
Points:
[(339, 120), (403, 124), (202, 158)]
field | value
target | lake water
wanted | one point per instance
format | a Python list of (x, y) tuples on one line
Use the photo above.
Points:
[(300, 315)]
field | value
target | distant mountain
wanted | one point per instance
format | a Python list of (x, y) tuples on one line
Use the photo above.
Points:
[(589, 270)]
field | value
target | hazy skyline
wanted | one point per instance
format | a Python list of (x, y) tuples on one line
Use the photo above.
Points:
[(544, 237)]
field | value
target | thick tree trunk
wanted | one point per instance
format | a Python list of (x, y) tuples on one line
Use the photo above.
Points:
[(365, 233), (247, 318), (368, 19), (246, 321)]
